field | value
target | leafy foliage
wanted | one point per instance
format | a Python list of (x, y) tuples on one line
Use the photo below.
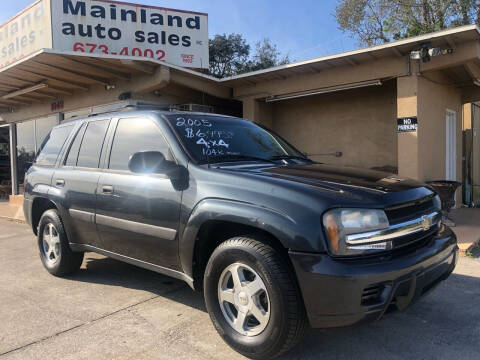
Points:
[(230, 55), (266, 56), (380, 21)]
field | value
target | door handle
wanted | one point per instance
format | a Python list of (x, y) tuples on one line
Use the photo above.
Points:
[(60, 182), (107, 189)]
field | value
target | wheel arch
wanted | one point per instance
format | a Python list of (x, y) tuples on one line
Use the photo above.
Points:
[(40, 204), (214, 221)]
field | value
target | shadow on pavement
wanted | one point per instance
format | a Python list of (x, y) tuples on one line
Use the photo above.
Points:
[(107, 271), (441, 325)]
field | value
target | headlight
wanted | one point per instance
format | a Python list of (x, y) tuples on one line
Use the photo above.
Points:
[(339, 223)]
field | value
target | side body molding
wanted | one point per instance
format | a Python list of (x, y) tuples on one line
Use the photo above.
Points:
[(279, 225)]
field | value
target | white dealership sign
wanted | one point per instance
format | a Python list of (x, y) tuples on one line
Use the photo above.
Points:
[(115, 28), (25, 33)]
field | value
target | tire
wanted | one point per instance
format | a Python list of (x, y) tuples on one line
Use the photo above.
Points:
[(282, 315), (55, 252)]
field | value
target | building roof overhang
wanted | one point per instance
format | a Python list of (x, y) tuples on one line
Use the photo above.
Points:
[(450, 38), (49, 74)]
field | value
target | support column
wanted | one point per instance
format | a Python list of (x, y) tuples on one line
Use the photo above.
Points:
[(257, 111), (407, 106), (422, 155), (250, 110), (13, 158)]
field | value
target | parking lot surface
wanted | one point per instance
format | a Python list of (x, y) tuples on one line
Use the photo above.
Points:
[(115, 311)]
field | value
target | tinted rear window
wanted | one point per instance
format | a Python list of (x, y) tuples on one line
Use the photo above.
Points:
[(75, 147), (89, 155), (52, 145)]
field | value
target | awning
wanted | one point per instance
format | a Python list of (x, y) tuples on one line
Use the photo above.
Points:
[(443, 39), (49, 74)]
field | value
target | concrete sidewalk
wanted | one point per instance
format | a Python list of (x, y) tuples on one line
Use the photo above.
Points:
[(467, 228), (11, 211)]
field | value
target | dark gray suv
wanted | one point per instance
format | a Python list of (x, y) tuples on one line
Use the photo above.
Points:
[(275, 241)]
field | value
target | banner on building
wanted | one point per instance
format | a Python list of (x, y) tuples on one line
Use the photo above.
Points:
[(25, 33), (108, 28)]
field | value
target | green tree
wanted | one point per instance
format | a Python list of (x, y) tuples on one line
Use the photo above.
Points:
[(266, 56), (230, 55), (378, 21)]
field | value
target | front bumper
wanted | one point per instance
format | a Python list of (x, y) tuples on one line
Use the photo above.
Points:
[(339, 293)]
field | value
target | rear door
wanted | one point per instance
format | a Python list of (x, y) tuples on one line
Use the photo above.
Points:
[(39, 176), (138, 215), (75, 181)]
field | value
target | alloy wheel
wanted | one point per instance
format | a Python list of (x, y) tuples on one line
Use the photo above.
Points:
[(244, 299), (51, 244)]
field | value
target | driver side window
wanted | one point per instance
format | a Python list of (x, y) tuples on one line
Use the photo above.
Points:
[(135, 135)]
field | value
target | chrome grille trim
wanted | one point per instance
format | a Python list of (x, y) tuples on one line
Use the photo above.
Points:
[(423, 223)]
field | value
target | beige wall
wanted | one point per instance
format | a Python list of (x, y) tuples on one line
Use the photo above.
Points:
[(360, 123), (434, 99), (422, 155), (407, 106)]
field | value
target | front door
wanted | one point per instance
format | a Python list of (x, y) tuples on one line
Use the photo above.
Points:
[(138, 215)]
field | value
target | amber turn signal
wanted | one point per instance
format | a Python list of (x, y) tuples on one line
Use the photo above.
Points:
[(331, 226)]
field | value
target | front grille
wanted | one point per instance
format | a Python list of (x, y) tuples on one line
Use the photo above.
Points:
[(411, 210), (410, 239), (372, 294), (408, 211)]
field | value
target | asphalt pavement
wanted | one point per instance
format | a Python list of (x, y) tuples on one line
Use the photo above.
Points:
[(115, 311)]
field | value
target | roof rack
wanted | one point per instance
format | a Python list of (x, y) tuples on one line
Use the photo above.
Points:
[(128, 105)]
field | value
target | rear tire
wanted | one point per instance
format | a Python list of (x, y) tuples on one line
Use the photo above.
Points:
[(259, 312), (55, 252)]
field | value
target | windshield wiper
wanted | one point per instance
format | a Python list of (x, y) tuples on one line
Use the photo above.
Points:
[(288, 157), (233, 158)]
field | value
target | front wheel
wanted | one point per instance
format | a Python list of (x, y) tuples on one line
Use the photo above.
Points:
[(253, 299)]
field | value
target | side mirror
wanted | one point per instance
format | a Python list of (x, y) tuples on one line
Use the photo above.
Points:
[(147, 162)]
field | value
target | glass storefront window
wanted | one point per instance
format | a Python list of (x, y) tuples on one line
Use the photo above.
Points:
[(25, 149), (5, 183), (42, 128), (30, 135)]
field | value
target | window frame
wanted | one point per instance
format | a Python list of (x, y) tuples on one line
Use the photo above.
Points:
[(60, 152), (113, 129), (80, 131), (72, 140)]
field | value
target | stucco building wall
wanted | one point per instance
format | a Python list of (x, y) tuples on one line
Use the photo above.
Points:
[(434, 99), (360, 123)]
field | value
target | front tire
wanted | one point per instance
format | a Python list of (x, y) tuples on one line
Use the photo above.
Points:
[(253, 299), (55, 252)]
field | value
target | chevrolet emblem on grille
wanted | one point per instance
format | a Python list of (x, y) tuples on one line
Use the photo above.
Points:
[(426, 223)]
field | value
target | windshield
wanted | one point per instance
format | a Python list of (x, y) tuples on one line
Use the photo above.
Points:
[(210, 138)]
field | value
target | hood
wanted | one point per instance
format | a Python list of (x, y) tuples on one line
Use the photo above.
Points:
[(356, 183)]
